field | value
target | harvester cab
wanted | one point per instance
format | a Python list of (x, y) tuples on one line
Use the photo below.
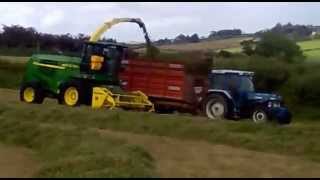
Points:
[(101, 63), (102, 59)]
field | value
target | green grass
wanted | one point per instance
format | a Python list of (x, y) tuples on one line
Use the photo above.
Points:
[(311, 49), (67, 143), (11, 71), (310, 44), (297, 139), (313, 55), (234, 50), (72, 151)]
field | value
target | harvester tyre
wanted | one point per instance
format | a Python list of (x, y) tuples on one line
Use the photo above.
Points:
[(70, 94), (31, 93)]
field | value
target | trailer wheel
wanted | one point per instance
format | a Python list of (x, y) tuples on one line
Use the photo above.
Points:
[(31, 93), (259, 116), (215, 107), (70, 94)]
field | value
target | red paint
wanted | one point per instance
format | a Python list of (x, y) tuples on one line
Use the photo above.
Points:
[(165, 82)]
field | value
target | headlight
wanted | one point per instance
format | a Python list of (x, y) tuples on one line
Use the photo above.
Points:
[(276, 104), (273, 104)]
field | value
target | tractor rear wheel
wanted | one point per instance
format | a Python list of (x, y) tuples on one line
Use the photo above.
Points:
[(70, 94), (31, 93), (215, 107)]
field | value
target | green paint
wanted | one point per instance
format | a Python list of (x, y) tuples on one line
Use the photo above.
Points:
[(49, 76)]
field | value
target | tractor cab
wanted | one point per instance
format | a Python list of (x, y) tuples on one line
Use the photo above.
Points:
[(232, 94), (102, 61)]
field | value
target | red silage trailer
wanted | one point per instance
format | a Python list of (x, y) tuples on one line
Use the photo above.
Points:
[(168, 85)]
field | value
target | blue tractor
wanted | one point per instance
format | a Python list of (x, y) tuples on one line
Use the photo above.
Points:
[(231, 95)]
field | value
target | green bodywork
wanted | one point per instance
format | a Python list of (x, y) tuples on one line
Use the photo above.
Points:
[(51, 70)]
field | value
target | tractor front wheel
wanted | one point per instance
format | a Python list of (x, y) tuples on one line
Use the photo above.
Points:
[(259, 116), (31, 93)]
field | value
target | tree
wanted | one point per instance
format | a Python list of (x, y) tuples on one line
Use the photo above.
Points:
[(277, 45), (194, 38), (248, 47), (180, 39)]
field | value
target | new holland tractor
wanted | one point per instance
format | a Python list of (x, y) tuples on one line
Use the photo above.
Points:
[(231, 95), (91, 79)]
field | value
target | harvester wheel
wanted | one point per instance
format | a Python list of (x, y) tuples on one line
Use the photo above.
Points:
[(70, 94), (31, 93)]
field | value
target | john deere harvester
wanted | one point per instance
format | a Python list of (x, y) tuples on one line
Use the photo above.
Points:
[(91, 79)]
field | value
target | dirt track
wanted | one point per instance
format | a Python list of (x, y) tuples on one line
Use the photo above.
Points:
[(16, 162), (180, 158)]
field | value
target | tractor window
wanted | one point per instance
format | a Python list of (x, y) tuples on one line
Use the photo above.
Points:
[(246, 84), (218, 81), (91, 50), (232, 82)]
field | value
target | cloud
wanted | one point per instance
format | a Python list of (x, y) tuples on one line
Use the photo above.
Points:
[(54, 18), (163, 19)]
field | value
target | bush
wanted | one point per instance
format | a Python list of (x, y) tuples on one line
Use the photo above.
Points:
[(276, 45), (248, 47), (266, 77), (224, 53), (303, 88)]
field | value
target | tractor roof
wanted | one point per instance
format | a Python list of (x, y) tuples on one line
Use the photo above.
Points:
[(228, 71)]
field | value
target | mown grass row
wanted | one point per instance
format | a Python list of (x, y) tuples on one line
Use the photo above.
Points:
[(11, 73), (297, 139), (71, 151)]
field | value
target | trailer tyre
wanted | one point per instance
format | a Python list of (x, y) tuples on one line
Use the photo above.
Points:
[(215, 107), (31, 93), (70, 94)]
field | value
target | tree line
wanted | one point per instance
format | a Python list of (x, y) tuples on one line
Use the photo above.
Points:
[(16, 36)]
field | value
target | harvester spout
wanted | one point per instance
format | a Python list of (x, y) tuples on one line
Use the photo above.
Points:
[(95, 36)]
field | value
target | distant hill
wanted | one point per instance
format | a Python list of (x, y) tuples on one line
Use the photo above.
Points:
[(230, 43)]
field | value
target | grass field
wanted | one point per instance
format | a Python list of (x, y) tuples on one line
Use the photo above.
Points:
[(311, 49), (232, 43), (82, 142)]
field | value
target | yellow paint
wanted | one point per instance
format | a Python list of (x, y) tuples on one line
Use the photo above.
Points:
[(135, 100), (48, 65), (71, 96), (95, 36), (96, 62), (102, 97), (29, 94), (70, 65)]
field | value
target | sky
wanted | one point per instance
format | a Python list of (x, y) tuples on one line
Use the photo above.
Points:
[(162, 19)]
